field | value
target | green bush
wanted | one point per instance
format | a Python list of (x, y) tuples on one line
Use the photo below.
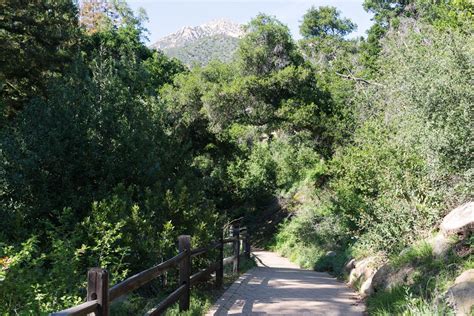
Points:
[(408, 161), (89, 177)]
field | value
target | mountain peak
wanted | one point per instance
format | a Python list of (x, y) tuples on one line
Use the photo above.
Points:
[(189, 34), (225, 27)]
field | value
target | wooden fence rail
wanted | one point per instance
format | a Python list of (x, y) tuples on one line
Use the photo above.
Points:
[(99, 295)]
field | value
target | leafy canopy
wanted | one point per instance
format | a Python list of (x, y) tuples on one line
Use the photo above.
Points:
[(266, 47), (325, 21), (38, 40)]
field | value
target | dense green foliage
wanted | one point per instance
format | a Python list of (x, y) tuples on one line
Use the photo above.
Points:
[(451, 14), (407, 161), (410, 157), (36, 57), (110, 150), (325, 21), (90, 176)]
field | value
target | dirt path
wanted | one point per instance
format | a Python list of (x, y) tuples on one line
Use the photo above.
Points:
[(279, 287)]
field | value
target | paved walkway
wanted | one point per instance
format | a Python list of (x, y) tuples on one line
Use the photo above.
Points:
[(278, 287)]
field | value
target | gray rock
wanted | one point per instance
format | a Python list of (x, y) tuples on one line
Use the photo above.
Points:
[(349, 266), (388, 277), (380, 277), (459, 220), (362, 274), (440, 245), (367, 287), (330, 254), (461, 294)]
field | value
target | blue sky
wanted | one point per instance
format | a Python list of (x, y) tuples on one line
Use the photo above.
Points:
[(167, 16)]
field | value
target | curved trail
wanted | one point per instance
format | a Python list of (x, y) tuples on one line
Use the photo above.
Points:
[(279, 287)]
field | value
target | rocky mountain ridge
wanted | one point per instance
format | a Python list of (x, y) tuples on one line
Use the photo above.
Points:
[(190, 34)]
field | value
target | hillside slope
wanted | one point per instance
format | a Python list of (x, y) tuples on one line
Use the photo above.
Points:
[(216, 39), (203, 50)]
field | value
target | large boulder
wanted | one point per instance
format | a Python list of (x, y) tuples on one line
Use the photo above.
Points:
[(459, 221), (367, 287), (362, 273), (461, 294), (388, 277), (349, 266)]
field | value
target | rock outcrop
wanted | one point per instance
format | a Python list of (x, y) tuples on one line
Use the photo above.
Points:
[(387, 277), (461, 294), (367, 287), (362, 273), (190, 34), (459, 220), (349, 266)]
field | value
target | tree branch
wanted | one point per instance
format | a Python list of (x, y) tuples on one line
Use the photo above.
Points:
[(359, 79)]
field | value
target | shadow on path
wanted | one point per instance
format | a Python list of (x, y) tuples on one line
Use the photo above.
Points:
[(278, 287)]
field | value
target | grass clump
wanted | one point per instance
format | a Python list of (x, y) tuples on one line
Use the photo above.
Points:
[(401, 301), (421, 253)]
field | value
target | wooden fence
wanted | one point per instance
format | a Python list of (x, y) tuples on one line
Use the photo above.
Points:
[(99, 295)]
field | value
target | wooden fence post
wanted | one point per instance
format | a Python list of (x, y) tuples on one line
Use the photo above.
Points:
[(184, 244), (98, 289), (220, 263), (236, 234)]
